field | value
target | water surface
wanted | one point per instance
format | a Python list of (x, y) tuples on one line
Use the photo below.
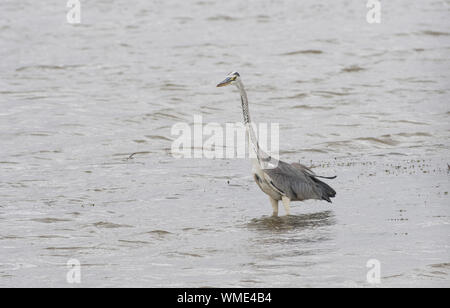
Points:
[(368, 102)]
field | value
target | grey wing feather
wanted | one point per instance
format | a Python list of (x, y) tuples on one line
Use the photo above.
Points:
[(298, 182), (310, 172)]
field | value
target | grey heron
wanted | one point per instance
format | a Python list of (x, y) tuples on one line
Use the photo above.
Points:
[(278, 179)]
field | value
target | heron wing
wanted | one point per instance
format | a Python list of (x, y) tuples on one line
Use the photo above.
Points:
[(298, 183), (308, 171)]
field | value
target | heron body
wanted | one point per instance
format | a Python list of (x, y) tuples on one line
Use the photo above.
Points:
[(278, 179)]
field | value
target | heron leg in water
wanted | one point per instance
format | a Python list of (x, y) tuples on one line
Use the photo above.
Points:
[(274, 206), (286, 202)]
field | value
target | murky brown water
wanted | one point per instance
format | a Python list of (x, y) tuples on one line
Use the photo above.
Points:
[(369, 103)]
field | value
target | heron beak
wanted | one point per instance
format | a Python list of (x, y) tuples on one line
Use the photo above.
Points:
[(224, 83)]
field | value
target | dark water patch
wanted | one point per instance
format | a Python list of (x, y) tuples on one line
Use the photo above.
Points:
[(313, 80), (172, 87), (347, 125), (134, 242), (418, 134), (303, 52), (158, 137), (184, 254), (163, 115), (46, 67), (435, 33), (390, 153), (109, 225), (159, 232), (10, 237), (315, 151), (402, 34), (49, 220), (222, 18), (40, 134), (329, 94), (441, 265), (405, 122), (172, 198), (415, 80), (69, 248), (35, 97), (250, 281), (48, 151), (352, 69), (72, 125), (296, 96), (338, 143), (262, 18)]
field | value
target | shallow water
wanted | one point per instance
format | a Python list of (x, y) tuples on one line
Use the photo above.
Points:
[(368, 102)]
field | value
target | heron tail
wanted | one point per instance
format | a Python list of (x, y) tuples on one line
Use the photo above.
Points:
[(326, 191)]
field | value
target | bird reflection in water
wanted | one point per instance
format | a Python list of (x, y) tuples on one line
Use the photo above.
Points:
[(293, 222)]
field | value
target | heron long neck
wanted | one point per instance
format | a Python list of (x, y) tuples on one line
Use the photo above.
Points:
[(252, 136), (244, 102)]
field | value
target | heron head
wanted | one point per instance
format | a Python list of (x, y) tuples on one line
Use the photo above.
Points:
[(231, 79)]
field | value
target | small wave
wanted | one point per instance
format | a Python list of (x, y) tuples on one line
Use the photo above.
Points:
[(186, 254), (415, 80), (172, 87), (109, 225), (406, 122), (41, 134), (302, 52), (435, 33), (263, 18), (157, 137), (418, 134), (49, 220), (46, 67), (133, 242), (163, 115), (296, 96), (222, 18), (347, 125), (315, 151), (441, 265), (309, 107), (159, 232), (330, 93), (352, 69), (69, 248), (385, 140), (390, 153)]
